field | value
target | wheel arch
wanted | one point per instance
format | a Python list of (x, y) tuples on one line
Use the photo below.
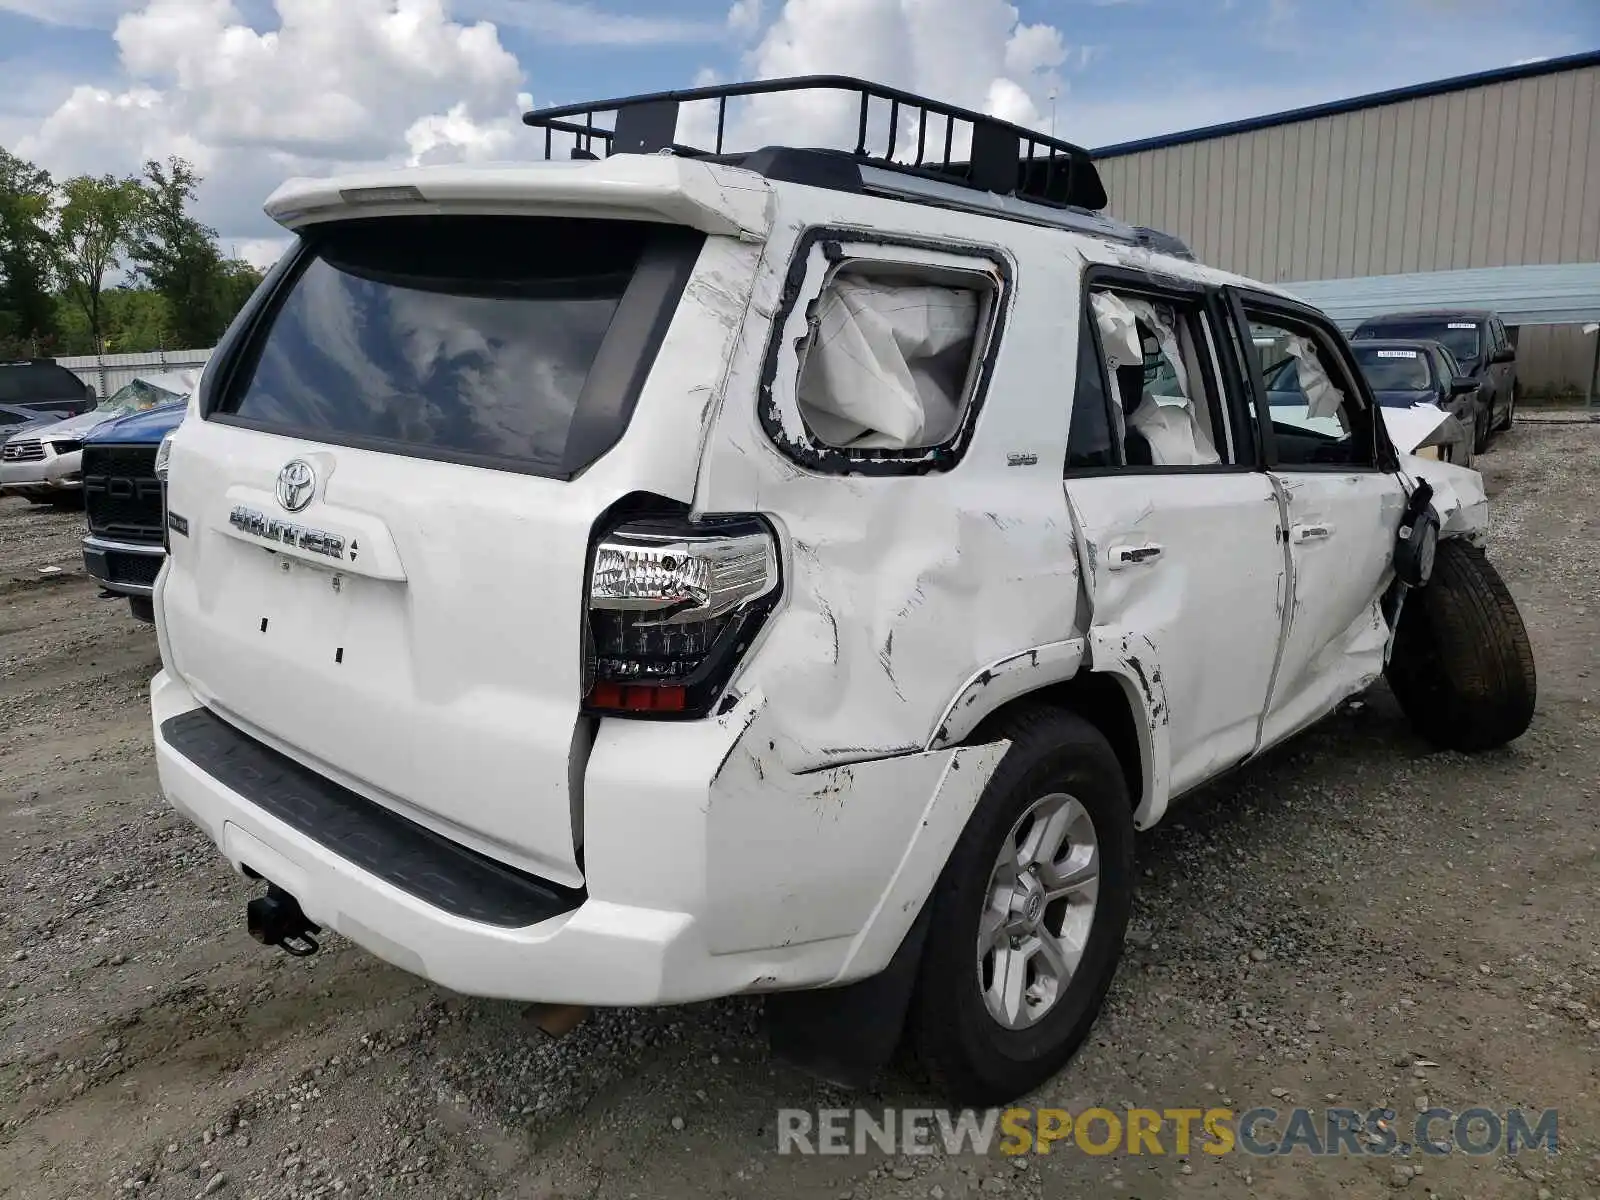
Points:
[(1122, 697)]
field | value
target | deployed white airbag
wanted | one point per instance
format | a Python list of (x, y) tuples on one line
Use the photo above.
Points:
[(887, 364), (1166, 417), (1119, 330), (1323, 399)]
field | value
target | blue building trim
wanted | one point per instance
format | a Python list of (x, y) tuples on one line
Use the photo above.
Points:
[(1420, 91)]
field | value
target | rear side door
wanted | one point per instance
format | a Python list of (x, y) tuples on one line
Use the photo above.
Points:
[(1177, 526), (1505, 373), (1341, 499)]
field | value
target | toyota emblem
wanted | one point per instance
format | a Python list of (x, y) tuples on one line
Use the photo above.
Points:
[(297, 483)]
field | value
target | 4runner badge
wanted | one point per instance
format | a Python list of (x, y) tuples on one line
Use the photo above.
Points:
[(258, 524), (297, 483)]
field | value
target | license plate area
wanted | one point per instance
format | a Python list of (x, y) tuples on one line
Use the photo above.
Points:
[(306, 609)]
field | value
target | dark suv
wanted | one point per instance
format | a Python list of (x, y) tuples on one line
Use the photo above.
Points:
[(43, 383), (1477, 338)]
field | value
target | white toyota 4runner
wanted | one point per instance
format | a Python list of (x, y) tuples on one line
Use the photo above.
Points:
[(666, 575)]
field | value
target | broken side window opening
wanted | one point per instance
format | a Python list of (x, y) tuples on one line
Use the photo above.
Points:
[(1298, 387), (892, 355), (1150, 350)]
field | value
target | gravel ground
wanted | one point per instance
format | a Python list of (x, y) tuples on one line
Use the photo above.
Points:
[(1354, 919)]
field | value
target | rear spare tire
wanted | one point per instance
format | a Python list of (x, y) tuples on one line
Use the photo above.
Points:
[(1028, 915), (1462, 667)]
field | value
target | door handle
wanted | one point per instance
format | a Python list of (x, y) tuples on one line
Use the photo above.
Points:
[(1311, 533), (1133, 556)]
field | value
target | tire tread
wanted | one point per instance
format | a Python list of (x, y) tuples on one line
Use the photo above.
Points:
[(1463, 667), (1040, 737)]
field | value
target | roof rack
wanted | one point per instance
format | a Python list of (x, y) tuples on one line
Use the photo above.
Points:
[(1004, 159)]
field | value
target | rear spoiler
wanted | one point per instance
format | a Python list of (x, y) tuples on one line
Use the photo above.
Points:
[(704, 196)]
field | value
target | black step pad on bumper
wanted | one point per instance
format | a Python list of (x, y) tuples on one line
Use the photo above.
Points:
[(432, 868)]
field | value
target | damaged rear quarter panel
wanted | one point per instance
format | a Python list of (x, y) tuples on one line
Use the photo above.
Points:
[(846, 852), (898, 587)]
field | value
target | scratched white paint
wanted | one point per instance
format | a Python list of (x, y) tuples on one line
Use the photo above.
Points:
[(790, 839), (897, 589)]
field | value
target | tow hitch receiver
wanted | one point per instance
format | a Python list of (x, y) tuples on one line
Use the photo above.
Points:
[(276, 920)]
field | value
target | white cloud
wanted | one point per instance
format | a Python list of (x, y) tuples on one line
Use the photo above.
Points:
[(77, 14), (335, 79), (454, 136), (579, 24), (972, 53), (260, 253), (338, 83), (744, 16), (1035, 48)]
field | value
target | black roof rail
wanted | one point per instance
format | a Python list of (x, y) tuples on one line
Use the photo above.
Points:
[(1005, 159)]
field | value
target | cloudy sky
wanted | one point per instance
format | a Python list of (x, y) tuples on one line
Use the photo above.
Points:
[(253, 91)]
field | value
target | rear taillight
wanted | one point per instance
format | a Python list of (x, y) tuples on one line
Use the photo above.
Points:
[(673, 605)]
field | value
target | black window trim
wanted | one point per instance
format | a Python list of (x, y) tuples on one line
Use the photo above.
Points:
[(1220, 380), (810, 451), (1245, 300), (605, 406)]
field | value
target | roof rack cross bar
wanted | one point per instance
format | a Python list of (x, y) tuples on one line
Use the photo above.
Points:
[(647, 124)]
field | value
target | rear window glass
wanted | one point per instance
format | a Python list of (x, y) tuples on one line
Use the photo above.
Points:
[(1459, 337), (454, 337), (38, 381), (1394, 369)]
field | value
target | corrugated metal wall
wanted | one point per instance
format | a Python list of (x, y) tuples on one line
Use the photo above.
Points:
[(105, 373), (1499, 174)]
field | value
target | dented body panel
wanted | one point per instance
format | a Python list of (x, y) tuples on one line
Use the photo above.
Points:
[(790, 838), (1341, 529), (899, 585), (1213, 561)]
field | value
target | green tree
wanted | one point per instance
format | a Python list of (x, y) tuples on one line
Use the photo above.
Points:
[(27, 307), (134, 320), (178, 256), (236, 283), (99, 217)]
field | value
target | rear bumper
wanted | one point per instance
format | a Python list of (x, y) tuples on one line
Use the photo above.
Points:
[(706, 874), (126, 568)]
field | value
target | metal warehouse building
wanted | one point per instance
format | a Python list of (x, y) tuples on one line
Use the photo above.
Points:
[(1384, 192)]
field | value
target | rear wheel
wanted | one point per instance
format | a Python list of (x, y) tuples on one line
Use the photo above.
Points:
[(1511, 408), (1480, 429), (1028, 916), (1462, 667)]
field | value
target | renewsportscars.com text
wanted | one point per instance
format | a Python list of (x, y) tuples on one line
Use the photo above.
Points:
[(1263, 1132)]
